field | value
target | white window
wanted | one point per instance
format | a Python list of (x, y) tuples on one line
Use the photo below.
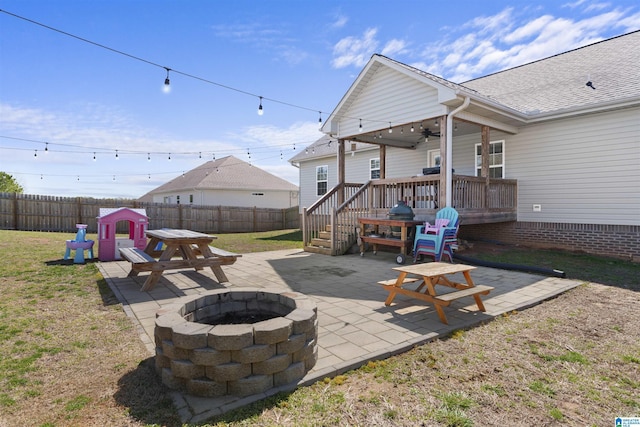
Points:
[(433, 158), (322, 180), (374, 167), (496, 159)]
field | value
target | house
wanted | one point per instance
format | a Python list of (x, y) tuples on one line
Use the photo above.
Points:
[(546, 154), (227, 181)]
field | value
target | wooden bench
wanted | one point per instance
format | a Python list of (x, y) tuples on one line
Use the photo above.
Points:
[(221, 253), (137, 256), (392, 282)]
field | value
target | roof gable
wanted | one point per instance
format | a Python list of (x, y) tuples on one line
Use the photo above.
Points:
[(227, 173)]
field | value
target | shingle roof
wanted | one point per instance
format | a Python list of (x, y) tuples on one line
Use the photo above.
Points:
[(559, 82), (226, 173)]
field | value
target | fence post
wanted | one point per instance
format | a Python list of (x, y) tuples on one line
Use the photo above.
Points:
[(15, 211)]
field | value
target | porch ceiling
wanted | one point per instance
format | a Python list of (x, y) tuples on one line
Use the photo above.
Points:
[(402, 136)]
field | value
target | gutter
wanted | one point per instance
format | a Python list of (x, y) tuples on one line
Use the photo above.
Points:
[(449, 170)]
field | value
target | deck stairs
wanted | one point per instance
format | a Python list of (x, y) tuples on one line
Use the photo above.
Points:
[(321, 244)]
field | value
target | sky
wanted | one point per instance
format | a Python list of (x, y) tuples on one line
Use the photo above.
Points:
[(83, 110)]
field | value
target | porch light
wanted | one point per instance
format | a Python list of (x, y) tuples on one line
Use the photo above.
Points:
[(260, 110)]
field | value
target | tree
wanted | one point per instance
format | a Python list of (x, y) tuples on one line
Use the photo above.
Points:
[(8, 184)]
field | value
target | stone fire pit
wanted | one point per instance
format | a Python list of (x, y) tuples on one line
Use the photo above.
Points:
[(240, 341)]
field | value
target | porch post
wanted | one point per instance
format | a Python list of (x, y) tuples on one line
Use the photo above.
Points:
[(444, 165), (341, 172), (383, 161), (485, 162)]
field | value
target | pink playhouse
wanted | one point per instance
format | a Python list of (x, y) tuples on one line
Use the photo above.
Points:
[(108, 243)]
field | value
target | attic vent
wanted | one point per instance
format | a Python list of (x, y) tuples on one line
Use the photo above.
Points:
[(257, 194)]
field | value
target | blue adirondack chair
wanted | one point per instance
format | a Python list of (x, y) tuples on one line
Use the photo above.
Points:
[(437, 242)]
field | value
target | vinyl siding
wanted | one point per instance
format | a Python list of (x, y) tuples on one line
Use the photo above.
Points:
[(390, 97), (584, 170), (242, 198)]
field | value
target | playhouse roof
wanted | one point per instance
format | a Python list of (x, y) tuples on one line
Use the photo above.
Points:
[(105, 212)]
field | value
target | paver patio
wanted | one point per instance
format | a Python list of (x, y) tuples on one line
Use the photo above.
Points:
[(354, 324)]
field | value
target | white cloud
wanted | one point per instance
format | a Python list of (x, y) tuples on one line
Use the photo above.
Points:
[(340, 21), (355, 51), (507, 39), (394, 47)]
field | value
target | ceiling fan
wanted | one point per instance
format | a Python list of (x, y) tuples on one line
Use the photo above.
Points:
[(427, 133)]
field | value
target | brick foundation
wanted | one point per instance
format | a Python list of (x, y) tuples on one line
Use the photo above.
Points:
[(618, 241), (236, 359)]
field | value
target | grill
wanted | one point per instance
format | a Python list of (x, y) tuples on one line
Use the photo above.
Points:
[(400, 211)]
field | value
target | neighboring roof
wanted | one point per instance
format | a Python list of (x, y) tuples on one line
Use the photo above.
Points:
[(326, 147), (226, 173), (560, 81)]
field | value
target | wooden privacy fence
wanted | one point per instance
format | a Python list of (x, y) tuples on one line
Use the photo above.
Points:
[(52, 213)]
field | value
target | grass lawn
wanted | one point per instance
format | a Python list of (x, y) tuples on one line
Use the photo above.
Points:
[(69, 355)]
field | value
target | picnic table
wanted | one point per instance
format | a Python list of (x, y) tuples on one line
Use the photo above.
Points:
[(432, 274), (166, 245)]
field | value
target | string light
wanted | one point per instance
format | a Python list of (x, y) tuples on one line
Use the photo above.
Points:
[(35, 154), (436, 124), (114, 177), (167, 88), (94, 156), (169, 157), (148, 157), (117, 155), (412, 129), (200, 155), (46, 146), (360, 127), (320, 117), (390, 129)]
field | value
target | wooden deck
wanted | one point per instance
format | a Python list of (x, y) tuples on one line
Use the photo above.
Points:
[(477, 200)]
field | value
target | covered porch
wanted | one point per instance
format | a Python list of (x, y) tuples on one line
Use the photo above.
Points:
[(402, 110)]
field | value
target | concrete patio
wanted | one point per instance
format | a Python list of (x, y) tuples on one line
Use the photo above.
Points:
[(354, 324)]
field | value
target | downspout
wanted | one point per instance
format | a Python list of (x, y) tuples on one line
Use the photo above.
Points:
[(449, 190)]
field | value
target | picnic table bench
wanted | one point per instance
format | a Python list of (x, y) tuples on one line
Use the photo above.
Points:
[(429, 275), (192, 248)]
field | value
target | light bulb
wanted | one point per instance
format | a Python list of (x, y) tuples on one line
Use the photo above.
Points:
[(167, 83), (360, 128), (260, 110)]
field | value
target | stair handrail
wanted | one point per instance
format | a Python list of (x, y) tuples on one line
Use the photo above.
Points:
[(343, 236)]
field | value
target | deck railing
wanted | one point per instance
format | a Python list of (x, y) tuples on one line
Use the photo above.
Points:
[(470, 195)]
